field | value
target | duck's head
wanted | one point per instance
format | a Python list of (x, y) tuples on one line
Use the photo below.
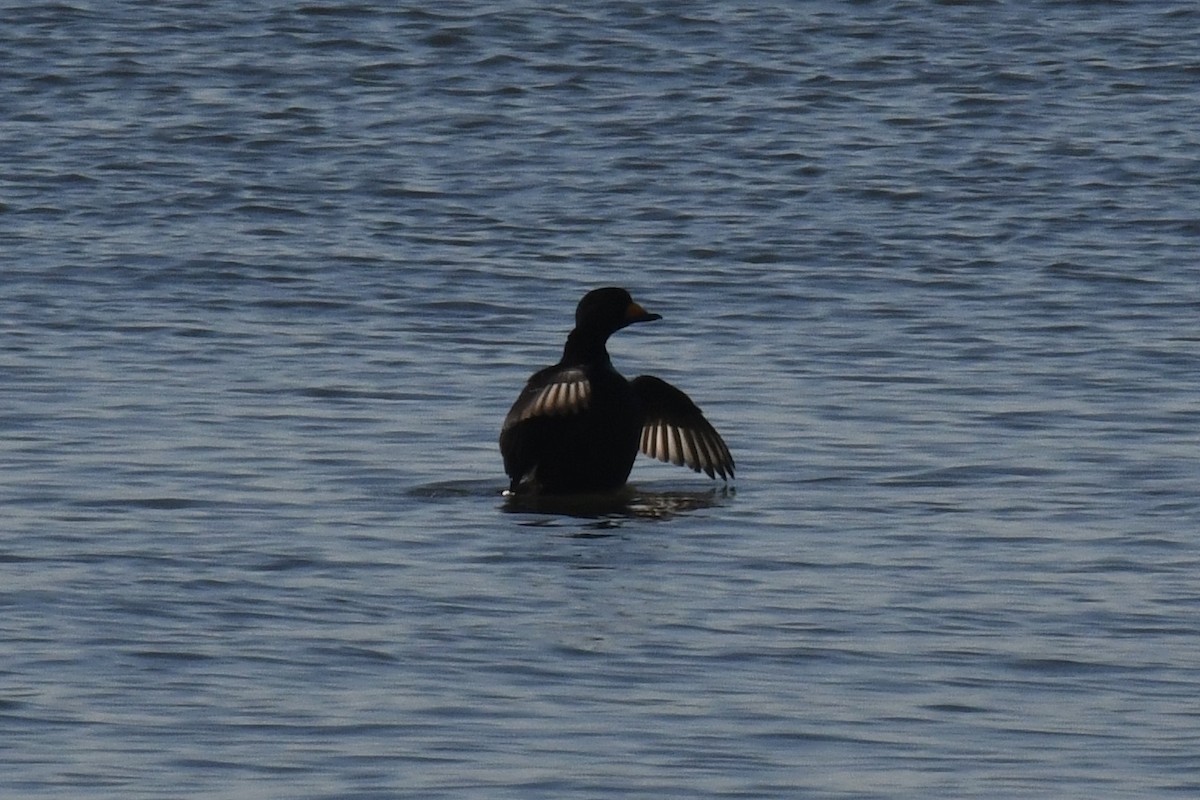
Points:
[(606, 311)]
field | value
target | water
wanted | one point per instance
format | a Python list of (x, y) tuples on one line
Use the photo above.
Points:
[(273, 273)]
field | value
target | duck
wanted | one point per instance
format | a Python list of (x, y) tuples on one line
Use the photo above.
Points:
[(577, 426)]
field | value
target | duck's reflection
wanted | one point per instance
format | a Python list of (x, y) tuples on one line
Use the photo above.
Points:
[(628, 502)]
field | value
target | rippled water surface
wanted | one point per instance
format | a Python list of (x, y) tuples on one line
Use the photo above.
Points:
[(273, 273)]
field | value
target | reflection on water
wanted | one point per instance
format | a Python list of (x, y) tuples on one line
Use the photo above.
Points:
[(608, 509), (628, 502)]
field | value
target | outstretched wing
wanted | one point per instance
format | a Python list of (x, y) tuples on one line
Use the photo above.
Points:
[(551, 392), (675, 430)]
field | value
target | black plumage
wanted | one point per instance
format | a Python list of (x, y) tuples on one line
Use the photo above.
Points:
[(577, 426)]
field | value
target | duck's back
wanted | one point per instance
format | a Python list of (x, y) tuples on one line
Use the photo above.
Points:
[(573, 429)]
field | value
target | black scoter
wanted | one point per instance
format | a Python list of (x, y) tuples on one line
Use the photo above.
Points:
[(578, 425)]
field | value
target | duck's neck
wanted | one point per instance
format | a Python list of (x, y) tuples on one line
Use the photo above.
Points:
[(583, 348)]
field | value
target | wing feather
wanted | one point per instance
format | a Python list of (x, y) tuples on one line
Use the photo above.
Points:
[(688, 446), (552, 392), (700, 456), (676, 447), (674, 430)]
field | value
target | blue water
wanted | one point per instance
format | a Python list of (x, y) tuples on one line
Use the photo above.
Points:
[(271, 275)]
